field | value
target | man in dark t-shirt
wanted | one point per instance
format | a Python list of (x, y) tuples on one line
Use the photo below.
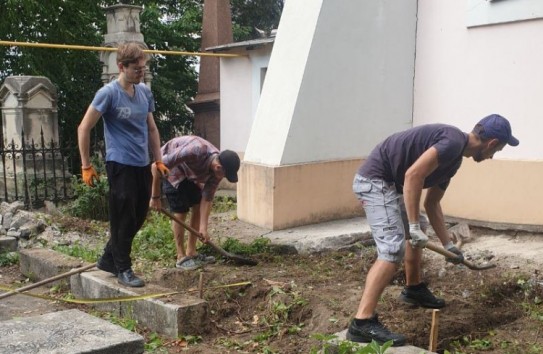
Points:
[(389, 186)]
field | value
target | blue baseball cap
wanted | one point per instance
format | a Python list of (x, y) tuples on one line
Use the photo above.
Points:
[(495, 126)]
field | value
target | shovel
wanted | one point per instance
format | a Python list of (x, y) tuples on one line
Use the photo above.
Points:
[(449, 254), (234, 257)]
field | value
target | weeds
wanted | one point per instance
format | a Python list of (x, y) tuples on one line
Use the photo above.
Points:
[(8, 258), (223, 204), (154, 241), (260, 245), (331, 344)]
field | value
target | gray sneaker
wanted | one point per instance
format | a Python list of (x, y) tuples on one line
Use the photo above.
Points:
[(205, 259), (189, 263)]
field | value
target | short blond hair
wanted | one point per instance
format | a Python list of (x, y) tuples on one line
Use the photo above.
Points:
[(130, 53)]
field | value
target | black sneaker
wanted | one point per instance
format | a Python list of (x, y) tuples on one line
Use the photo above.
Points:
[(106, 266), (372, 329), (420, 295), (128, 278)]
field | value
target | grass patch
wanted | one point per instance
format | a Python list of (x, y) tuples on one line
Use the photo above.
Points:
[(79, 251)]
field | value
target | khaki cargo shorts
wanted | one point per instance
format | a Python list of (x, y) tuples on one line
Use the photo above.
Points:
[(386, 215)]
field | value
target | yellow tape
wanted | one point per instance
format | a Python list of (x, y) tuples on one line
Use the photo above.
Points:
[(110, 49), (120, 298)]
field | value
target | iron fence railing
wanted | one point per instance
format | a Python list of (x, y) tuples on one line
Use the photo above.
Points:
[(34, 172)]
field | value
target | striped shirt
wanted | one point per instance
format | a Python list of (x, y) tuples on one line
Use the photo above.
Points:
[(189, 157)]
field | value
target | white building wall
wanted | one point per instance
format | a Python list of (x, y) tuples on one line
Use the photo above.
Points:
[(464, 74), (337, 84), (236, 89), (240, 93)]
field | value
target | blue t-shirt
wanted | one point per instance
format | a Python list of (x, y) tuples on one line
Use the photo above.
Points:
[(392, 158), (125, 122)]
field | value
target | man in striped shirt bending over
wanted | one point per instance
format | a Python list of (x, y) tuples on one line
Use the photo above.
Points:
[(196, 168)]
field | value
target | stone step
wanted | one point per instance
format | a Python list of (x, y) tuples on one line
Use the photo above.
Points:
[(172, 316), (67, 332), (41, 263)]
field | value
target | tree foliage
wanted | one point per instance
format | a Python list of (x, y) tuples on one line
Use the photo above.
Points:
[(247, 15), (165, 24)]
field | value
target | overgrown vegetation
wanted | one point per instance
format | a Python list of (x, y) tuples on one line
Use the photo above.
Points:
[(8, 258), (154, 242)]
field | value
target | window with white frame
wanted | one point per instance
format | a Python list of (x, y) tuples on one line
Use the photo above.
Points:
[(491, 12)]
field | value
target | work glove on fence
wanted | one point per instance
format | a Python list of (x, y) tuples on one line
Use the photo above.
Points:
[(418, 237), (162, 168), (452, 248), (89, 174)]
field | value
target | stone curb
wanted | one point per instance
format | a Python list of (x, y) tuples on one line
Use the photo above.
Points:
[(170, 316)]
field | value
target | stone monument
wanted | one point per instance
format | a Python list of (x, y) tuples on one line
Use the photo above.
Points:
[(123, 25), (30, 138)]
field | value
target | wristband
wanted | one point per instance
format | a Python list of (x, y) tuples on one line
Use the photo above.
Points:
[(155, 197)]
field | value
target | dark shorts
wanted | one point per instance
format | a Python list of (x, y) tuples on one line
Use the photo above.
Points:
[(182, 198)]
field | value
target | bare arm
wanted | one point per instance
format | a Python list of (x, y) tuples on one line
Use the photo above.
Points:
[(205, 211), (155, 203), (88, 122), (154, 137), (432, 205), (414, 182)]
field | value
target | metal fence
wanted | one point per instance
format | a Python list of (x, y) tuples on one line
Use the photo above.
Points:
[(34, 172)]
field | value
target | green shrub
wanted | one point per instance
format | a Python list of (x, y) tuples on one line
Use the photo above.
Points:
[(91, 202)]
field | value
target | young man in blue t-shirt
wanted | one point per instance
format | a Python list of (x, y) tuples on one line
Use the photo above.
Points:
[(127, 106), (389, 186)]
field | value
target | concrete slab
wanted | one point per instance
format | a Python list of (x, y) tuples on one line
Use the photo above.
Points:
[(67, 332), (406, 349), (328, 236), (171, 316), (18, 306)]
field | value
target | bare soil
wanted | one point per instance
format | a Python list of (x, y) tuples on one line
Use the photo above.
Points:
[(290, 298)]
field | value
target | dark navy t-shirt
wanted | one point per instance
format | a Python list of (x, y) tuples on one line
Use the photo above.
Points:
[(392, 158)]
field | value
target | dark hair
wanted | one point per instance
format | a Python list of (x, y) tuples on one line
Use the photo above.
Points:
[(130, 53), (479, 131)]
